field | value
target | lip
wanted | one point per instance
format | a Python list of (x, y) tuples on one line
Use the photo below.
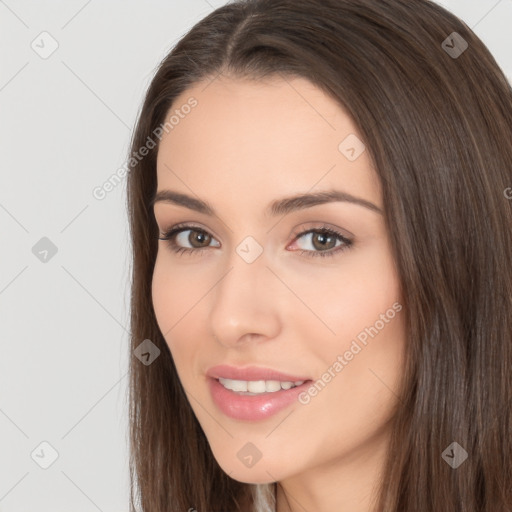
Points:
[(225, 371), (257, 407)]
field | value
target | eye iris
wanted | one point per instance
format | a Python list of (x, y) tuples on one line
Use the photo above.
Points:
[(200, 237), (324, 239)]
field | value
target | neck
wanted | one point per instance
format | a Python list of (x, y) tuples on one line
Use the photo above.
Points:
[(347, 484)]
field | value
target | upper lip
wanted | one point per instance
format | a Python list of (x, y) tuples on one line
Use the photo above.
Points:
[(251, 373)]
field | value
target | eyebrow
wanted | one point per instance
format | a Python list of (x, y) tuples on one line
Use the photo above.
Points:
[(278, 207)]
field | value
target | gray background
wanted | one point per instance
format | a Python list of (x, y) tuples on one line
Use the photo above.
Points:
[(65, 126)]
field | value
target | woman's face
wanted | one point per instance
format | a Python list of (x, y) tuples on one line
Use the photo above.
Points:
[(269, 289)]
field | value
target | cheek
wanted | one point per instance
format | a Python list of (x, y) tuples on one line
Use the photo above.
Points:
[(163, 296), (352, 296), (176, 297), (173, 294)]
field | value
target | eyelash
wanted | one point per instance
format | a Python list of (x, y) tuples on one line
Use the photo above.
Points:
[(170, 235)]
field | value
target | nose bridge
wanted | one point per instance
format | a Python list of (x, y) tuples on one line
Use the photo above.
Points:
[(243, 300)]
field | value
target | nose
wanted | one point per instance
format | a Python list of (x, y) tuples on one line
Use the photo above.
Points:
[(245, 303)]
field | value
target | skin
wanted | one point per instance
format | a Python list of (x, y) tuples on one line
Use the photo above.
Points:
[(244, 145)]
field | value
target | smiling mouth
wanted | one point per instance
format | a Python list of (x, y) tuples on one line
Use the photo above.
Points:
[(258, 387), (255, 400)]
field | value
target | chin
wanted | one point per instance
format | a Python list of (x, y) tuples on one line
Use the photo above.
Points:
[(250, 477), (261, 472)]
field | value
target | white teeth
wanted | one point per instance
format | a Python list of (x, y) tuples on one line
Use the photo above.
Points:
[(238, 385), (255, 387), (271, 385)]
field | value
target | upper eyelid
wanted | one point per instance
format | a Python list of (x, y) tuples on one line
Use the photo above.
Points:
[(324, 227), (183, 226)]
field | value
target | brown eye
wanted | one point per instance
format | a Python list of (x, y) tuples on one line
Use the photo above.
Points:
[(198, 238), (188, 238), (322, 242)]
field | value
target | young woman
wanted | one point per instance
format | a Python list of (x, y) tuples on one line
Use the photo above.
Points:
[(320, 206)]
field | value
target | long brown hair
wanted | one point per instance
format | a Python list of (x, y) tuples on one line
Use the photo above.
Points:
[(435, 112)]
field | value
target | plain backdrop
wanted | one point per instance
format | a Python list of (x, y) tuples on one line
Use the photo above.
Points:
[(72, 78)]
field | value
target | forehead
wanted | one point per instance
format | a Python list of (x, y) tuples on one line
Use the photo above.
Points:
[(246, 137)]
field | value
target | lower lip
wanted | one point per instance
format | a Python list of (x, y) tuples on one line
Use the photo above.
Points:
[(253, 407)]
